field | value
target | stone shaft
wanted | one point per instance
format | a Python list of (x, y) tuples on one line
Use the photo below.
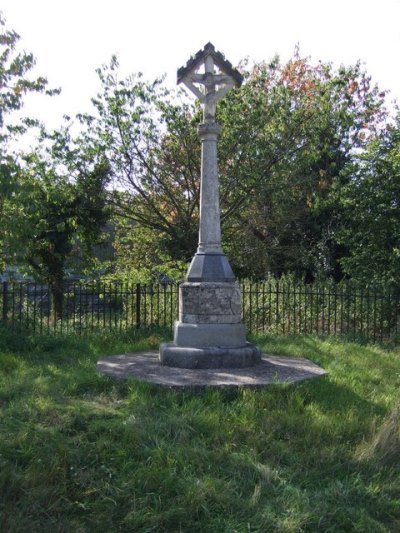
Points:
[(210, 228)]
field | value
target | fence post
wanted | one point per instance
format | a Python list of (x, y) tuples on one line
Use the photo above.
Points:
[(138, 295), (5, 301)]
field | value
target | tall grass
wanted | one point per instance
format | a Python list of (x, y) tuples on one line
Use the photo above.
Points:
[(80, 452)]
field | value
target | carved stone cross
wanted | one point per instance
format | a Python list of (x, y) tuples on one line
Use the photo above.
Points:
[(209, 263), (209, 332), (215, 85)]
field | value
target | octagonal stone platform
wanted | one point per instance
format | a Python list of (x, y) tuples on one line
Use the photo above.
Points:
[(273, 369)]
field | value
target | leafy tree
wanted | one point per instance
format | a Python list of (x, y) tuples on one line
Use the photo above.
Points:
[(288, 138), (153, 150), (52, 200), (56, 211), (15, 83), (370, 202), (140, 255), (14, 79)]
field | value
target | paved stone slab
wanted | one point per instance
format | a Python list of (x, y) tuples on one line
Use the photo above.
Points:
[(145, 366)]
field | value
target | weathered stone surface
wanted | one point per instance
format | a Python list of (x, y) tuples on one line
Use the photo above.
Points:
[(209, 303), (201, 335), (272, 370), (210, 319), (210, 267), (209, 357)]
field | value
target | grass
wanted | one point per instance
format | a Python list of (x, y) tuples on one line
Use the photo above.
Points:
[(84, 453)]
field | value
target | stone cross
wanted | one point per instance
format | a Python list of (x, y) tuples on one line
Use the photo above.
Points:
[(215, 85), (209, 87), (209, 332)]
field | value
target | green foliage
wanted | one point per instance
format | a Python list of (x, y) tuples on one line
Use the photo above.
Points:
[(288, 138), (141, 257), (15, 83), (80, 452), (154, 157), (370, 227), (56, 209)]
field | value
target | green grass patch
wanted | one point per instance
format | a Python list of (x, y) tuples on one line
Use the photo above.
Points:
[(80, 452)]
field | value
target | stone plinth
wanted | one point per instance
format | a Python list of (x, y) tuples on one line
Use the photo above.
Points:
[(209, 357), (209, 332), (209, 303)]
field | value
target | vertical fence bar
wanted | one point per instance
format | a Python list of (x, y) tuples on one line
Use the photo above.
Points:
[(335, 312), (164, 305), (250, 309), (145, 292), (13, 305), (5, 302), (294, 307), (341, 309), (104, 300), (276, 303), (21, 304), (269, 303), (138, 302), (374, 315), (368, 307), (116, 306), (171, 304), (389, 314), (41, 309), (355, 314), (361, 311), (132, 300), (263, 306), (34, 307), (329, 309), (284, 306), (381, 317), (348, 305)]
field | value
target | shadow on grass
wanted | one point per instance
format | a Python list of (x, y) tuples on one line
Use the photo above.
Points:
[(90, 453)]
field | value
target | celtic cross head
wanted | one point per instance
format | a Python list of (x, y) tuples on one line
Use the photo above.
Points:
[(209, 76)]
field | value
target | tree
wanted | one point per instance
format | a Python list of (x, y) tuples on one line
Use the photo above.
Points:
[(15, 83), (153, 150), (14, 80), (57, 210), (289, 136), (370, 202)]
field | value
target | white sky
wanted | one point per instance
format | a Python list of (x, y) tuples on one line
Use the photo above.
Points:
[(70, 39)]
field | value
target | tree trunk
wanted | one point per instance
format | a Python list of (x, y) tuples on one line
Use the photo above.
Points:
[(57, 294)]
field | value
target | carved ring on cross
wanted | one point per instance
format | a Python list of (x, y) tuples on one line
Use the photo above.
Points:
[(213, 85)]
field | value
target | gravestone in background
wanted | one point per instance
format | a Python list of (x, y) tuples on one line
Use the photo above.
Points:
[(209, 332)]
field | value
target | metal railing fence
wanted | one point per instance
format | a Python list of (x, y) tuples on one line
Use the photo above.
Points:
[(271, 306)]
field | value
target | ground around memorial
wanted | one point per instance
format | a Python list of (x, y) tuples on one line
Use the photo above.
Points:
[(83, 452)]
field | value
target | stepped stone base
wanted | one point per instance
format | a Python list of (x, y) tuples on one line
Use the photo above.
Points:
[(209, 333), (210, 356), (205, 335)]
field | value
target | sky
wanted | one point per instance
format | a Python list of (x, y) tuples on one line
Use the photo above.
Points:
[(70, 39)]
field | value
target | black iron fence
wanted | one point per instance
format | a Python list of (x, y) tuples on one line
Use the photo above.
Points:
[(283, 307)]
